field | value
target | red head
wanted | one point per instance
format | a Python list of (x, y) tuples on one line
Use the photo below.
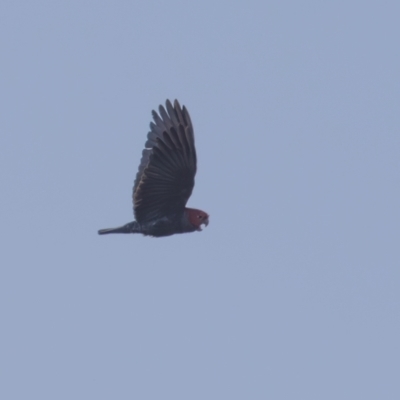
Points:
[(197, 218)]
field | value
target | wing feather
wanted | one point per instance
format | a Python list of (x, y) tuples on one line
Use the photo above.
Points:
[(165, 178)]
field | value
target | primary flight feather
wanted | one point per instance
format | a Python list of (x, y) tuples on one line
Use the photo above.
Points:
[(165, 179)]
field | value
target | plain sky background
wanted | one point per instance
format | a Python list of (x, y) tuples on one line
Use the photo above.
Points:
[(293, 290)]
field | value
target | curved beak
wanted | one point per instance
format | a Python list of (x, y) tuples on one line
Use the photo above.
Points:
[(205, 222)]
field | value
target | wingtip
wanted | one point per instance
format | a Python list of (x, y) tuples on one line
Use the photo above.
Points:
[(176, 104)]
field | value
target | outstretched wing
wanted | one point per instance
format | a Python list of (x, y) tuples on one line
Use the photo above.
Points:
[(167, 169)]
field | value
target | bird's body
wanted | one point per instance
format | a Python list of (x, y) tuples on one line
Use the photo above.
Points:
[(165, 178), (165, 226)]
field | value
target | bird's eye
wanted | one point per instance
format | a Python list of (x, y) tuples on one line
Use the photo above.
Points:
[(200, 216)]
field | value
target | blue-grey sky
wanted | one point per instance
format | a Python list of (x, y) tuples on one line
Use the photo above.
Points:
[(293, 290)]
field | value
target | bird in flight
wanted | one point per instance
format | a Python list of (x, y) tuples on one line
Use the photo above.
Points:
[(165, 179)]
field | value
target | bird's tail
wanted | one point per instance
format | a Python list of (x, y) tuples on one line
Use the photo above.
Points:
[(132, 227)]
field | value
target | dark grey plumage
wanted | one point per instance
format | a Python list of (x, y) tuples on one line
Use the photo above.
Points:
[(165, 179)]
